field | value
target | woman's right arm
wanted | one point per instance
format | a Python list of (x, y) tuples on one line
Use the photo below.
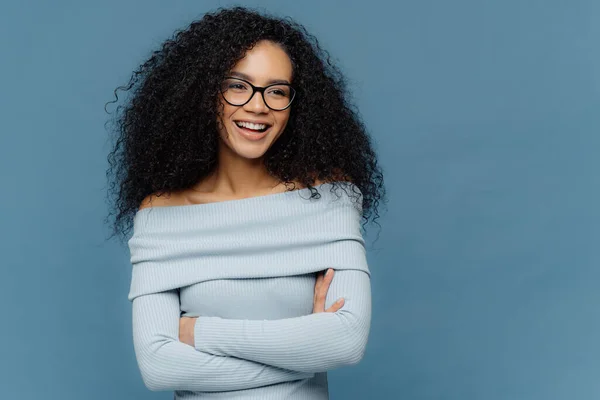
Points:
[(167, 364)]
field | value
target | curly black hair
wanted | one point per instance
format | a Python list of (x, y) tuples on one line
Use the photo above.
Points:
[(167, 135)]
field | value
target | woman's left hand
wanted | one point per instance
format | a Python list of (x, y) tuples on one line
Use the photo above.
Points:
[(186, 330)]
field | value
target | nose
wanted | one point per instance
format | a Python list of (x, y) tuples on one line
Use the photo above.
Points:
[(256, 104)]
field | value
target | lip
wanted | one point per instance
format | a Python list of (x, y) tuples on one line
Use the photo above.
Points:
[(253, 122), (252, 136)]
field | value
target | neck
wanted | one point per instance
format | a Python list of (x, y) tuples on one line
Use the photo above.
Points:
[(236, 176)]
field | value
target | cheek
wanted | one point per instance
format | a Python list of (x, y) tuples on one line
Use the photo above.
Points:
[(224, 116), (224, 109), (282, 120), (227, 111)]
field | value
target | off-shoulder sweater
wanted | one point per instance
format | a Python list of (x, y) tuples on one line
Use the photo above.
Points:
[(247, 268)]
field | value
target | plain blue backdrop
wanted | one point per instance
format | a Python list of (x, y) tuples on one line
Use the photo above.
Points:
[(485, 115)]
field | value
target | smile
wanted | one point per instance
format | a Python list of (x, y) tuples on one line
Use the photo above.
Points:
[(252, 134)]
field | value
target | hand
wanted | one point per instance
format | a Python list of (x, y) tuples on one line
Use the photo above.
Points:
[(186, 330), (321, 288)]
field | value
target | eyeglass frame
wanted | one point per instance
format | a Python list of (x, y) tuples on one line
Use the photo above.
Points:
[(261, 90)]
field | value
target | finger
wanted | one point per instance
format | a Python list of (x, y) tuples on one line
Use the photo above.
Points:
[(322, 296), (336, 306), (319, 299), (318, 281), (326, 282), (318, 302)]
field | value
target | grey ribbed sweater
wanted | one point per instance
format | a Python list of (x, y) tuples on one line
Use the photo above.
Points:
[(246, 268)]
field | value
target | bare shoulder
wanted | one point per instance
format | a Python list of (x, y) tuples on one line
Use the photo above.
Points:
[(159, 200)]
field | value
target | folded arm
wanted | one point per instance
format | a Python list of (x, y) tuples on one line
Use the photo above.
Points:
[(167, 364), (309, 343)]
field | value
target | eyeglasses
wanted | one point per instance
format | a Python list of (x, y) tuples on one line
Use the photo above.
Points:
[(238, 92)]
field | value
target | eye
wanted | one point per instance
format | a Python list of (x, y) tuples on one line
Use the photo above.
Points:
[(238, 86), (278, 91)]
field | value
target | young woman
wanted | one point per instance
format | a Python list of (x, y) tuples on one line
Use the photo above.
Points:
[(229, 152)]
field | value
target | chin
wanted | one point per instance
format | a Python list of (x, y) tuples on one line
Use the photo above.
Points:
[(249, 153), (245, 151), (247, 148)]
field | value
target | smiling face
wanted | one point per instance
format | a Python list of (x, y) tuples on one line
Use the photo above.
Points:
[(264, 64)]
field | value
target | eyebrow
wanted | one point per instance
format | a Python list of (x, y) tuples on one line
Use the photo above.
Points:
[(248, 78)]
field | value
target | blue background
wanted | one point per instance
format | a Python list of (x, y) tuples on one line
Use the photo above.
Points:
[(485, 115)]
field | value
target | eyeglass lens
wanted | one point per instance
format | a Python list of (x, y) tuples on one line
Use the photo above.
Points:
[(238, 92)]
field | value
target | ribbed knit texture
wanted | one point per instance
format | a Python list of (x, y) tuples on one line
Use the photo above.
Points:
[(247, 268)]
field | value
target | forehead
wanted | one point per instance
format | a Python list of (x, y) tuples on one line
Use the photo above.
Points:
[(264, 64)]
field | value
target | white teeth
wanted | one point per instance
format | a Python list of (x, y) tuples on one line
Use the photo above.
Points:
[(250, 125)]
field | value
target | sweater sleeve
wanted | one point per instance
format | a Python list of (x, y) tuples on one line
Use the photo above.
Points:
[(167, 364), (310, 343)]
